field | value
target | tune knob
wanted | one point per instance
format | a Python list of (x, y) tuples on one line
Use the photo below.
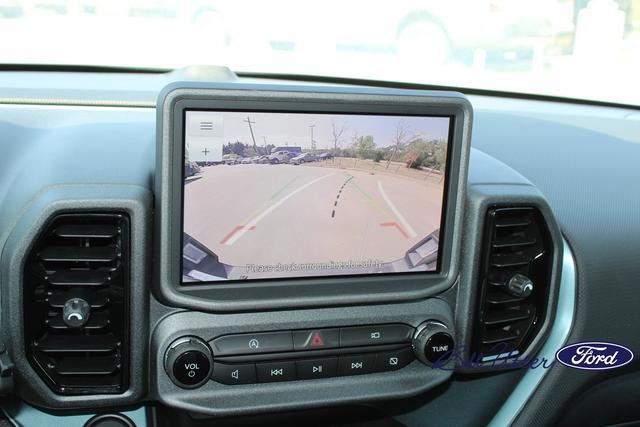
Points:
[(76, 312), (520, 286), (189, 362), (432, 342)]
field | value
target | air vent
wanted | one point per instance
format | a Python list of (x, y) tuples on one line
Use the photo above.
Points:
[(514, 282), (76, 284)]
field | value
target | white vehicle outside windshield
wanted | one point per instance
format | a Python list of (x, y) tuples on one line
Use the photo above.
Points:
[(588, 49)]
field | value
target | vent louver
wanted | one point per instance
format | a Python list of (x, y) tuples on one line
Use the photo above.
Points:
[(517, 246), (76, 284)]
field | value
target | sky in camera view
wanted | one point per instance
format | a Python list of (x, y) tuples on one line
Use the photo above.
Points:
[(295, 130)]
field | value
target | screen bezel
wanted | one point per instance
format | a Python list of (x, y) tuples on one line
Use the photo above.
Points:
[(231, 281), (297, 291)]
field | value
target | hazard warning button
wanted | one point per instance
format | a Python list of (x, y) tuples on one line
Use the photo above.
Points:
[(316, 339)]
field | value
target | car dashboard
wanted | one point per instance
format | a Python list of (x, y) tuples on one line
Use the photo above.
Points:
[(538, 250)]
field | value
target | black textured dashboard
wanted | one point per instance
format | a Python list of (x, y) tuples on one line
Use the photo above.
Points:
[(588, 171), (64, 134)]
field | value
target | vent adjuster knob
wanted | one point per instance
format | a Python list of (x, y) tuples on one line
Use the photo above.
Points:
[(76, 312), (520, 286)]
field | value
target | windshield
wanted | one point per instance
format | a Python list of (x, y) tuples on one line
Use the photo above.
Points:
[(588, 49)]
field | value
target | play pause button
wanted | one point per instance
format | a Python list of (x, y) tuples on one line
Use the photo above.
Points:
[(317, 368)]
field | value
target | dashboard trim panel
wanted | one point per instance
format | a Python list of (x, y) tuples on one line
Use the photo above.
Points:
[(131, 199), (560, 330), (217, 399)]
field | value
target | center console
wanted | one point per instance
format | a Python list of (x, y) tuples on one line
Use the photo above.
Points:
[(319, 257)]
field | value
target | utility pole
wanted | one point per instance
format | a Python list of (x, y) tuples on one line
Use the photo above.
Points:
[(313, 143), (265, 145), (249, 122)]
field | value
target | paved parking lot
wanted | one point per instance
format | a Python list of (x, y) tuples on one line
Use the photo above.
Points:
[(269, 214)]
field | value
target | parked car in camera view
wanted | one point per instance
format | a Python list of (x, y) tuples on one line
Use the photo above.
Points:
[(230, 159), (279, 157), (303, 158), (191, 168)]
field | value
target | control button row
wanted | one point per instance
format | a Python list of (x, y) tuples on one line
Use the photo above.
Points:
[(326, 367), (312, 339)]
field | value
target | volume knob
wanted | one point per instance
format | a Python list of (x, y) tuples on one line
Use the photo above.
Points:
[(189, 362)]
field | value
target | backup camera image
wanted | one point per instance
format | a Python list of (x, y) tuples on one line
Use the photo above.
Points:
[(277, 195)]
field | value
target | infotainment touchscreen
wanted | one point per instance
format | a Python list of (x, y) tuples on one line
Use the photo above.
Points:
[(272, 195)]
